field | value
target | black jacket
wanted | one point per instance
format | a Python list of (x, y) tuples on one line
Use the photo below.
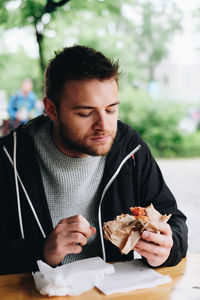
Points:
[(139, 183)]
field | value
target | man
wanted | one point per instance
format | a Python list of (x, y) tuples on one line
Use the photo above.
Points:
[(64, 174)]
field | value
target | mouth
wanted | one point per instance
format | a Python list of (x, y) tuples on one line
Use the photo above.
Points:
[(100, 139)]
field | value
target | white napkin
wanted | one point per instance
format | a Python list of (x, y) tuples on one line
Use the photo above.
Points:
[(129, 276), (71, 279)]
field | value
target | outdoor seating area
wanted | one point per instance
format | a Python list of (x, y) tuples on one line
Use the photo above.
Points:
[(99, 149)]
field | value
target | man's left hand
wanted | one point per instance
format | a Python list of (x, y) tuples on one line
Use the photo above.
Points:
[(156, 247)]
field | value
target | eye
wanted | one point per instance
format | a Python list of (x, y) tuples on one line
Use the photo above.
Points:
[(84, 115), (111, 111)]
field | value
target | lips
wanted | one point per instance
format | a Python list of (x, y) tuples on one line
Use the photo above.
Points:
[(103, 138)]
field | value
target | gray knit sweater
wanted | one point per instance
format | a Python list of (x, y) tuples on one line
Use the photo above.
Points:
[(71, 186)]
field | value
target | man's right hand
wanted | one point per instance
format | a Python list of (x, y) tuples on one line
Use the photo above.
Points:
[(68, 237)]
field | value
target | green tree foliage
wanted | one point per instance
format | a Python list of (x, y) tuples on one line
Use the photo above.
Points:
[(31, 12), (158, 123), (137, 32), (154, 22), (13, 75), (146, 39)]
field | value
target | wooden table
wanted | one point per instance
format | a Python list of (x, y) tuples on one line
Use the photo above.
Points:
[(185, 285)]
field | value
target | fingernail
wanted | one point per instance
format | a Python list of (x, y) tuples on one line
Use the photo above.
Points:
[(145, 234)]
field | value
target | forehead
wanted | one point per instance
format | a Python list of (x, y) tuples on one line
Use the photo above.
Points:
[(90, 92)]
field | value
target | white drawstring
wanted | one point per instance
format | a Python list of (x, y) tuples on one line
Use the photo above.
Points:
[(103, 194), (17, 186), (17, 177), (13, 163)]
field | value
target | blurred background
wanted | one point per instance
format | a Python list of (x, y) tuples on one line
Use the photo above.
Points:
[(158, 45)]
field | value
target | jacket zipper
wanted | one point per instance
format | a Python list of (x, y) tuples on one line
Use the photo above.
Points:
[(17, 178), (131, 154)]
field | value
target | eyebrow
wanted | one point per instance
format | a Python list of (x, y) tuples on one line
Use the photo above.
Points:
[(92, 107)]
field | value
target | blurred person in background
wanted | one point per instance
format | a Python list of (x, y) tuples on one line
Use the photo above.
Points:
[(22, 105)]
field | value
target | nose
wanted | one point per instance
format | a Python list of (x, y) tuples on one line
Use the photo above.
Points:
[(100, 122)]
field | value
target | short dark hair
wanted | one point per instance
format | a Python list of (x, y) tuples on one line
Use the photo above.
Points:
[(77, 63)]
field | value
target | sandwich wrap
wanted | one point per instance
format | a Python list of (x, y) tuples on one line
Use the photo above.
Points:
[(126, 230)]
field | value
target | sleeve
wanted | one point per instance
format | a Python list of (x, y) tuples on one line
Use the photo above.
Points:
[(153, 189), (12, 107), (19, 256), (32, 101)]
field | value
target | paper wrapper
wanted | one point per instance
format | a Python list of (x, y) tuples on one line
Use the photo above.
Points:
[(78, 277), (126, 230), (71, 279), (129, 276)]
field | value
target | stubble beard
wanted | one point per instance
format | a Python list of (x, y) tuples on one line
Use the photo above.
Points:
[(70, 143)]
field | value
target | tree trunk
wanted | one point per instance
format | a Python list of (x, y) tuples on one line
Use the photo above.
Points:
[(40, 41), (42, 64), (50, 7)]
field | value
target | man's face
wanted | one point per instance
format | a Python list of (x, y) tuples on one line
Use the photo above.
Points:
[(26, 86), (86, 122)]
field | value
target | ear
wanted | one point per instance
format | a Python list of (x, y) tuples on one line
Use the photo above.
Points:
[(50, 108)]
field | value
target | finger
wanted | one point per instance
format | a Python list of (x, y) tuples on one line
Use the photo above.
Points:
[(93, 229), (78, 227), (73, 249), (164, 228), (74, 224), (68, 238), (150, 248), (75, 218), (156, 238), (64, 238), (144, 253), (155, 257), (77, 238), (152, 258)]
